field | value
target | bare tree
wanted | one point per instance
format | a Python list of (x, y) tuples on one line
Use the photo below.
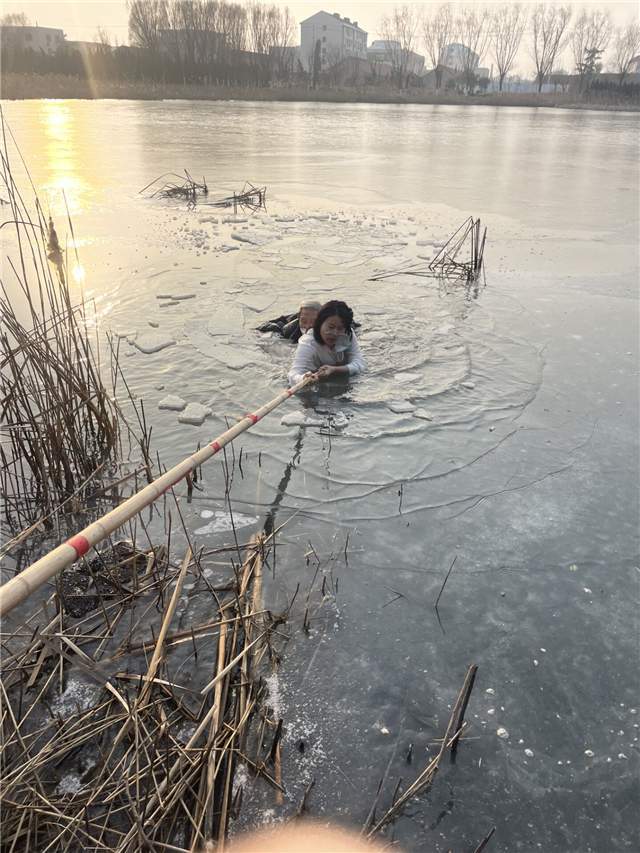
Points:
[(473, 31), (508, 23), (626, 47), (146, 19), (282, 37), (14, 19), (549, 24), (315, 63), (258, 26), (399, 31), (437, 30), (589, 40)]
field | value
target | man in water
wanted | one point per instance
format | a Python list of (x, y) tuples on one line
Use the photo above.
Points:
[(293, 326)]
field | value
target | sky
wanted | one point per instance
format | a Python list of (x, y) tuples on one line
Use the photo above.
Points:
[(80, 19)]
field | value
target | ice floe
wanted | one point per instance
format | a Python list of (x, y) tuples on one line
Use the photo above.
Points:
[(177, 297), (406, 377), (423, 414), (149, 342), (401, 407), (300, 419), (194, 414), (172, 402)]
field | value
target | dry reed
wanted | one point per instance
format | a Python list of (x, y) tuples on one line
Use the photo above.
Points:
[(147, 758)]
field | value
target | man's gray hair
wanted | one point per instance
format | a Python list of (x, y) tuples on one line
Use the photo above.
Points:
[(310, 303)]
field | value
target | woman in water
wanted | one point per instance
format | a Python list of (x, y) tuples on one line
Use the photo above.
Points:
[(331, 348)]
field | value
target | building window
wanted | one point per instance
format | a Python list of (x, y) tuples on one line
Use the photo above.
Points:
[(324, 38), (324, 28)]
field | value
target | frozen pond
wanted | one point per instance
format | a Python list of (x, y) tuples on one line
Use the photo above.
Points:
[(517, 453)]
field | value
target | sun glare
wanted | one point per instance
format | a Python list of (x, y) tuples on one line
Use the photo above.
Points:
[(61, 149), (79, 274)]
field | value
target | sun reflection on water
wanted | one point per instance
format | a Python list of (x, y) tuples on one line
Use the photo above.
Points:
[(64, 183)]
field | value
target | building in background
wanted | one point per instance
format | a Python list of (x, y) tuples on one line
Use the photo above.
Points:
[(339, 38), (390, 53), (40, 39), (458, 57)]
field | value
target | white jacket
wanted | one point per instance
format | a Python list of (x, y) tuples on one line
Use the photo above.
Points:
[(310, 356)]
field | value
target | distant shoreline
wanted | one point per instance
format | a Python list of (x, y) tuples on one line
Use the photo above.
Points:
[(35, 86)]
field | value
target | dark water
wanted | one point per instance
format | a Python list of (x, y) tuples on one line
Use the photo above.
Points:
[(526, 470)]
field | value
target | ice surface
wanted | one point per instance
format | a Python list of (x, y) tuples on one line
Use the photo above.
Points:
[(401, 407), (77, 695), (423, 414), (406, 378), (222, 523), (177, 297), (257, 302), (150, 342), (301, 419)]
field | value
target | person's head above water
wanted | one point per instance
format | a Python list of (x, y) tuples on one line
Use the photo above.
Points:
[(307, 313), (334, 319)]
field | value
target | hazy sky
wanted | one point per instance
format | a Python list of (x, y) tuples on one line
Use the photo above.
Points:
[(80, 19)]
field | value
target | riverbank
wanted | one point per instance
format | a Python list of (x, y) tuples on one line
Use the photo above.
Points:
[(36, 86)]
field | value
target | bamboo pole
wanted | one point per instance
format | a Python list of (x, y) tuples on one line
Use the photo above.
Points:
[(21, 586)]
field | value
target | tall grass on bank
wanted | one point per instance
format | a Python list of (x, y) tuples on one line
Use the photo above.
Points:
[(22, 86), (60, 425)]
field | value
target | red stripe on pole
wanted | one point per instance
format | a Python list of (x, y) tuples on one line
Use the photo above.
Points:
[(253, 418), (80, 544), (215, 446)]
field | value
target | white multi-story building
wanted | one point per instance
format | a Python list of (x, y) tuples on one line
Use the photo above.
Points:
[(459, 57), (41, 39), (339, 39)]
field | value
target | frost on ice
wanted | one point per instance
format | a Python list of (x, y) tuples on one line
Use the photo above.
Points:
[(222, 523)]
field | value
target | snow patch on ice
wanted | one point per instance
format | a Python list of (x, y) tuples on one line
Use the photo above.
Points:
[(76, 696), (222, 523), (274, 695)]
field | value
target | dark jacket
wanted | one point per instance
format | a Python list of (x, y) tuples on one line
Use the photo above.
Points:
[(286, 326)]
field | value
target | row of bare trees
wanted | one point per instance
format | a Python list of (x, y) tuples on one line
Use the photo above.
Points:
[(197, 34), (497, 33), (252, 42)]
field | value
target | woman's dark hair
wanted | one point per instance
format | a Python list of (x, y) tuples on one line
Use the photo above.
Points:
[(333, 308)]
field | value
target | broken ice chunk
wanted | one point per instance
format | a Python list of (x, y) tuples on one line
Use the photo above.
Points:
[(149, 342), (194, 414), (401, 407), (172, 402)]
